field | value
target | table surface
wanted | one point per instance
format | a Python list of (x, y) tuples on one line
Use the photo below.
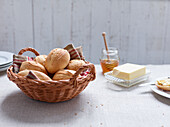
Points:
[(98, 105)]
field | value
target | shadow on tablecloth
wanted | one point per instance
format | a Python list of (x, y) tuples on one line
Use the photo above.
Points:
[(19, 107), (161, 98)]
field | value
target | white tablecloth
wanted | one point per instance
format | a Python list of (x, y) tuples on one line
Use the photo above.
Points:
[(98, 105)]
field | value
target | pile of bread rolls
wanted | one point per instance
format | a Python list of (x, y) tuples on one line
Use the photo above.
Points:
[(56, 66)]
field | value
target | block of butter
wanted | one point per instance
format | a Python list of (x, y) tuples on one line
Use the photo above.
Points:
[(129, 71)]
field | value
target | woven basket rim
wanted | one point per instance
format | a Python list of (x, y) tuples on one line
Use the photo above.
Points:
[(60, 83)]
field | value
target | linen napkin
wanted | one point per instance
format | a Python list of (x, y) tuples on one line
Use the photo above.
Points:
[(80, 52), (17, 61), (74, 53), (31, 75)]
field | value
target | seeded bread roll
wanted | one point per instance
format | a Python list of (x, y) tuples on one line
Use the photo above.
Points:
[(41, 59), (56, 60), (32, 65), (39, 74), (75, 64), (64, 74)]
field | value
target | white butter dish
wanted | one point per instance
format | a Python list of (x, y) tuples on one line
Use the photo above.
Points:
[(126, 83)]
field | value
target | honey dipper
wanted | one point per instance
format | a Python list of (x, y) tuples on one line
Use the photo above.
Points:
[(104, 37)]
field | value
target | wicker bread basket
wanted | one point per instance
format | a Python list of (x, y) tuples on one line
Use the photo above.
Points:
[(52, 91)]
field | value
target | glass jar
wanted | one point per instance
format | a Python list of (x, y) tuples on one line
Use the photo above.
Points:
[(109, 59)]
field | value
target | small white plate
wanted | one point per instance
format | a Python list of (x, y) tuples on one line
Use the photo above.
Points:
[(5, 57), (160, 92), (5, 67)]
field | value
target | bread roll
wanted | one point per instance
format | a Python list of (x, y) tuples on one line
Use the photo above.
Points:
[(41, 59), (163, 84), (56, 60), (64, 74), (39, 74), (75, 64), (167, 88), (32, 65)]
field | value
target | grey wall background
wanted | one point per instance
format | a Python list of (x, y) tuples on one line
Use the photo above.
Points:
[(140, 29)]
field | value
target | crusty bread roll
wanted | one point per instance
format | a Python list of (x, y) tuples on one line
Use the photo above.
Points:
[(163, 84), (63, 74), (41, 59), (75, 64), (56, 60), (167, 88), (39, 74), (32, 65)]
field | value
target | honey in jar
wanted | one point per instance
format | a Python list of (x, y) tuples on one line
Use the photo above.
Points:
[(109, 59), (108, 65)]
